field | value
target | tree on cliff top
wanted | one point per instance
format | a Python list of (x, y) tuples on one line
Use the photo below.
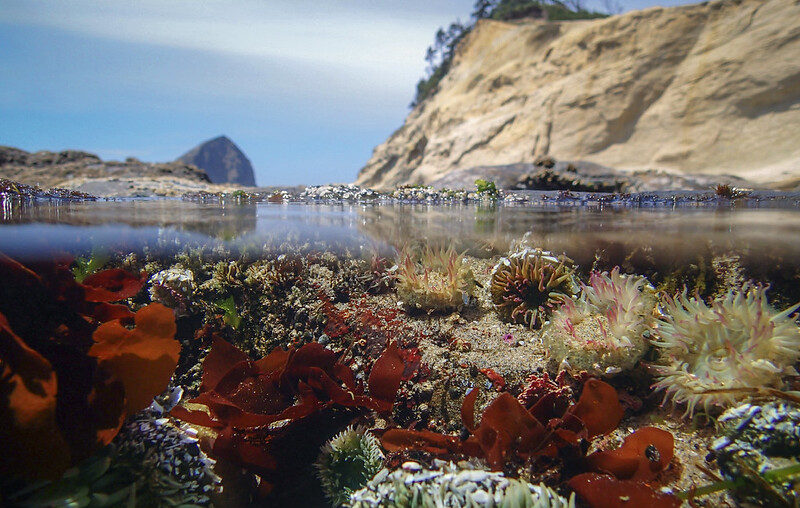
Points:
[(440, 54)]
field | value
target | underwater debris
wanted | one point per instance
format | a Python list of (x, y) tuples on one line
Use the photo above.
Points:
[(251, 403), (72, 371), (602, 331), (760, 440), (174, 288), (707, 352), (510, 431), (437, 281), (456, 486), (347, 463), (529, 284)]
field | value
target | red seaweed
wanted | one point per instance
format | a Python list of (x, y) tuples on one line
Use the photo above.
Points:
[(507, 429), (56, 387), (244, 397), (642, 456), (605, 491)]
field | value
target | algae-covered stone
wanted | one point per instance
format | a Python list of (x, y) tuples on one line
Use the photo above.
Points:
[(758, 440)]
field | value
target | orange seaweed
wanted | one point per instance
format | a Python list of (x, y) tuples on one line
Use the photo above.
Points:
[(143, 358), (605, 491), (642, 456)]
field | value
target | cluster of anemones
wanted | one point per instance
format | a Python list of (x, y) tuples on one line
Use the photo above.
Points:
[(434, 280), (712, 356), (529, 284), (603, 330)]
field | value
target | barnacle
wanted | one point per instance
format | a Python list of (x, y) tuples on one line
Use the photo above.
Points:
[(151, 462), (347, 463), (602, 331), (528, 284), (454, 486), (435, 280), (708, 352), (173, 287)]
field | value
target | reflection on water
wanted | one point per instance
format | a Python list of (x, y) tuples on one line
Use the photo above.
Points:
[(610, 235)]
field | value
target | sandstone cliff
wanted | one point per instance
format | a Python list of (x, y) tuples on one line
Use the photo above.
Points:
[(710, 88)]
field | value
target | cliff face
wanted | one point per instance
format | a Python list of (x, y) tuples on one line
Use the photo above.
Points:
[(222, 160), (710, 88)]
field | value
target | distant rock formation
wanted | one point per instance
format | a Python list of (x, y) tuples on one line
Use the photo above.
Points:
[(222, 160), (711, 88), (73, 169)]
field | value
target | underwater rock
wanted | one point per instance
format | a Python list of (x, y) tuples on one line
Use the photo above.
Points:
[(454, 486), (439, 280), (712, 356), (529, 284), (347, 463), (603, 331), (759, 441)]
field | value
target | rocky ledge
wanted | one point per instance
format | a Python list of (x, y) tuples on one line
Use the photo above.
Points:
[(86, 172)]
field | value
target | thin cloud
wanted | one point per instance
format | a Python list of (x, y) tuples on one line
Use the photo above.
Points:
[(331, 34)]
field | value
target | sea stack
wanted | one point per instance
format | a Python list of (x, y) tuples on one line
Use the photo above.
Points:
[(222, 160)]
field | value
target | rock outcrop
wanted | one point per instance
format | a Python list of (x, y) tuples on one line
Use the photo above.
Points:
[(222, 160), (712, 88), (86, 172)]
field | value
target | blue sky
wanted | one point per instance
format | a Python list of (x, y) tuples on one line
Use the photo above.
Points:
[(306, 89)]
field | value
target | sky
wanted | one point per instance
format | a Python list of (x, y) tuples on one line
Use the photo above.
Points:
[(306, 89)]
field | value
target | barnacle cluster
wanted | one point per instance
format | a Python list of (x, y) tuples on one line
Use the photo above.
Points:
[(710, 352), (760, 442), (603, 330), (435, 280), (151, 462), (165, 461), (173, 287), (453, 486), (347, 463), (530, 283)]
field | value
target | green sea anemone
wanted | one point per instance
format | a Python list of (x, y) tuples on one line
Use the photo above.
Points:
[(347, 463), (602, 331), (529, 284), (454, 486), (435, 280), (710, 353)]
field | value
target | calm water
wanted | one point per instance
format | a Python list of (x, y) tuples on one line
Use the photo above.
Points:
[(668, 235)]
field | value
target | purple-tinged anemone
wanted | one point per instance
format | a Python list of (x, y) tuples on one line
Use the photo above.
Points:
[(602, 331), (710, 352), (529, 284)]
